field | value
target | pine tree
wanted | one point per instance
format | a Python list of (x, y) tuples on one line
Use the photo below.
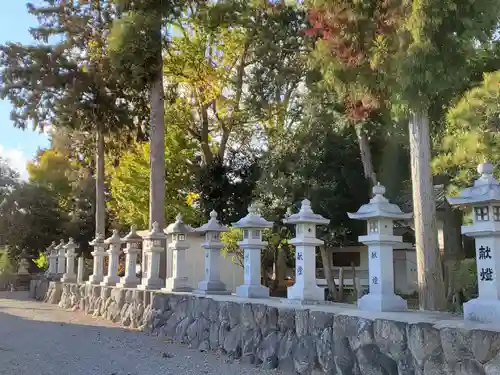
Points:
[(137, 42), (64, 80), (417, 53)]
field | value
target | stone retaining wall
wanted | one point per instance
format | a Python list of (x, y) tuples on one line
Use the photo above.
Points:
[(295, 338)]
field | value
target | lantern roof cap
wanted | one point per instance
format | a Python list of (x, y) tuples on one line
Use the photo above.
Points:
[(305, 215), (98, 240), (213, 225), (379, 207), (71, 244), (114, 239), (156, 233), (178, 226), (60, 245), (485, 189), (253, 220), (132, 236)]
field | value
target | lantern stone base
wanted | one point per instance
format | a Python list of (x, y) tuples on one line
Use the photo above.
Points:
[(130, 283), (482, 310), (95, 279), (211, 287), (110, 281), (178, 284), (382, 302), (252, 291), (68, 278), (309, 293), (150, 284)]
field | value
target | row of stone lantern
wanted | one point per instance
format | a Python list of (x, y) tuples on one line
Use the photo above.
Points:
[(61, 259), (379, 213)]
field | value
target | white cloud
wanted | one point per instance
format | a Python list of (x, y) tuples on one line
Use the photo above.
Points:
[(16, 160)]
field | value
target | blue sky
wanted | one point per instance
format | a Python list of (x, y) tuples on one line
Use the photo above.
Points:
[(16, 145)]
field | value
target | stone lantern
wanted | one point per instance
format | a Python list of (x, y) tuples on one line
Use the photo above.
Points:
[(52, 256), (133, 248), (153, 248), (212, 245), (70, 275), (380, 215), (252, 225), (98, 264), (115, 243), (80, 271), (484, 199), (305, 241), (178, 282), (61, 258)]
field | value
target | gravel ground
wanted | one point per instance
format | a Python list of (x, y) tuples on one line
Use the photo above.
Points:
[(42, 339)]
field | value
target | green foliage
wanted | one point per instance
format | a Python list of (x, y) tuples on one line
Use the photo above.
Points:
[(48, 83), (129, 182), (231, 248), (42, 262), (466, 278), (8, 179), (30, 219), (471, 134), (320, 164)]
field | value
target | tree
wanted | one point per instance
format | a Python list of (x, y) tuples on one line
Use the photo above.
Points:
[(471, 135), (30, 219), (64, 79), (9, 178), (137, 43), (129, 182), (72, 185), (415, 49)]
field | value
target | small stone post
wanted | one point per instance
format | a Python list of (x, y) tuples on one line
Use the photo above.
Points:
[(115, 244), (80, 273), (70, 275), (153, 248), (61, 258), (305, 241), (52, 256), (98, 264), (212, 245), (178, 282), (252, 225), (484, 199), (380, 215), (133, 241)]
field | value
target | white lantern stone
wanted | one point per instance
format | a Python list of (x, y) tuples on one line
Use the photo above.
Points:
[(178, 245), (115, 243), (70, 275), (98, 262), (212, 284), (80, 272), (305, 241), (52, 256), (133, 248), (61, 258), (252, 225), (380, 215), (484, 199), (153, 247)]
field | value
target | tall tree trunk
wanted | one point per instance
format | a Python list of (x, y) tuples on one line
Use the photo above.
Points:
[(157, 154), (327, 269), (366, 155), (100, 213), (430, 276), (453, 251)]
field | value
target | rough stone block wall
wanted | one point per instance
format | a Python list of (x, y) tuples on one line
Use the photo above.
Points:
[(295, 339)]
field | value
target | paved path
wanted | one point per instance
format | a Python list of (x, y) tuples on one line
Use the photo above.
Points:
[(42, 339)]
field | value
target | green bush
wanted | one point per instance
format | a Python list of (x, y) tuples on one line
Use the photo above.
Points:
[(42, 262)]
